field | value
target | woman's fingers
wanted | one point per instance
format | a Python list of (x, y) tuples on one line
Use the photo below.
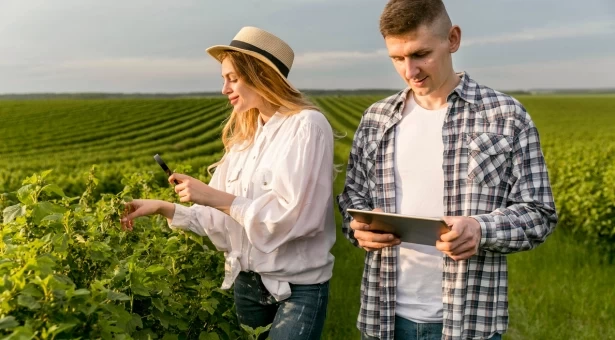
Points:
[(128, 225), (132, 210), (180, 187), (141, 207), (126, 221), (181, 178)]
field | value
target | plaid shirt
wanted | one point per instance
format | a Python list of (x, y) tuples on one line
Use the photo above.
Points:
[(494, 171)]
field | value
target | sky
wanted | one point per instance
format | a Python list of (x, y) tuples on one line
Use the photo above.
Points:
[(159, 46)]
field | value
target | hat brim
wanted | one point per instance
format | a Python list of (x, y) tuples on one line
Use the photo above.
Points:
[(217, 50)]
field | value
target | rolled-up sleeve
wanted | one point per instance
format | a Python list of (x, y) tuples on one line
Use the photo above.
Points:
[(206, 221)]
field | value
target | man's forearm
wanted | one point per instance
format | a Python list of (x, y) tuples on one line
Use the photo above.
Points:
[(516, 228)]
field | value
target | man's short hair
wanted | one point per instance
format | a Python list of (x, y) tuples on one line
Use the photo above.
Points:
[(400, 17)]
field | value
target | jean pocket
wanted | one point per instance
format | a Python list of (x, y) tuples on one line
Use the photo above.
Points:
[(489, 156)]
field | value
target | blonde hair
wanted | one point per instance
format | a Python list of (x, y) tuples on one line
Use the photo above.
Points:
[(241, 127)]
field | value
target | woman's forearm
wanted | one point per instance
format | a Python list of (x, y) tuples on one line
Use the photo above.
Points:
[(222, 201), (166, 209)]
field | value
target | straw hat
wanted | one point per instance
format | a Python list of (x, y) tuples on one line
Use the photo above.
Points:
[(261, 45)]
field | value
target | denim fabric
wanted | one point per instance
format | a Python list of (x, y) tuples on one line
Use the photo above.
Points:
[(409, 330), (301, 316)]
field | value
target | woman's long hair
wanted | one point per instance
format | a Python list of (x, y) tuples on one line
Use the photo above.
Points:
[(241, 127)]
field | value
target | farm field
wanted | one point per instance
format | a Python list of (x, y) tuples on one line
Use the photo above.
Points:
[(561, 290)]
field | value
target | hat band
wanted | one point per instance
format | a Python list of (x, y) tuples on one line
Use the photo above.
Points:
[(244, 45)]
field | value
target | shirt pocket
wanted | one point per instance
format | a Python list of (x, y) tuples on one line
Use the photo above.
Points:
[(232, 181), (489, 157), (261, 181)]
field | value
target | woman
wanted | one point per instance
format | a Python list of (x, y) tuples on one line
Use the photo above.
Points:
[(269, 204)]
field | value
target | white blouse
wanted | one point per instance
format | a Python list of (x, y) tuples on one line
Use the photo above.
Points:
[(281, 224)]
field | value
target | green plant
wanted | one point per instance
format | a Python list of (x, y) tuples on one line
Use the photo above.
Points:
[(68, 271)]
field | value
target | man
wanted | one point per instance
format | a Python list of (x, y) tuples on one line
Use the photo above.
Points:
[(444, 146)]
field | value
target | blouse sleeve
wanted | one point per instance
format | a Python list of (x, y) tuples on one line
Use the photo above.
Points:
[(207, 221), (299, 196)]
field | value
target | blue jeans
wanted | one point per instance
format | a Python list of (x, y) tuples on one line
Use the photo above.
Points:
[(301, 316), (410, 330)]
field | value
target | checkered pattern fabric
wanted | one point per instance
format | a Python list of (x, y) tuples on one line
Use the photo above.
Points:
[(494, 171)]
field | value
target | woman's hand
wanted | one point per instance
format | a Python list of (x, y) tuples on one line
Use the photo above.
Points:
[(192, 190), (138, 208)]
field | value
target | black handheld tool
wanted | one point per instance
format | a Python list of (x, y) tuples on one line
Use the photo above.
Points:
[(164, 167)]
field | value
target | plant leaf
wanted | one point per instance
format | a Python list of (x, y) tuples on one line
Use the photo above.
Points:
[(45, 173), (145, 334), (139, 289), (30, 180), (158, 304), (169, 336), (28, 302), (11, 213), (134, 323), (53, 218), (42, 210), (60, 328), (24, 194), (31, 290), (117, 296), (81, 292), (21, 333), (208, 336), (156, 269), (53, 188), (8, 322)]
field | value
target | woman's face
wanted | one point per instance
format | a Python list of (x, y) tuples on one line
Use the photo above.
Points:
[(241, 95)]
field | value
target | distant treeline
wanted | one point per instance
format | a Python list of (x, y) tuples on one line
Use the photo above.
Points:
[(107, 95), (309, 92)]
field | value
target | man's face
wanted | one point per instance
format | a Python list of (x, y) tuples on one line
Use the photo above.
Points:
[(423, 57)]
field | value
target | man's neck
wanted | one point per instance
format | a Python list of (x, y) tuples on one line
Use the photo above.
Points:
[(438, 99)]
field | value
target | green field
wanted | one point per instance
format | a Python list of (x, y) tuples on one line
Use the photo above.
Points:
[(561, 290)]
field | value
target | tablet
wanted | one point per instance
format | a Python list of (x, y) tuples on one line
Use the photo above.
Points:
[(411, 229)]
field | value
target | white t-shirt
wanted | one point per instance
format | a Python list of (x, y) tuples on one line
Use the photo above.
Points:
[(419, 187)]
